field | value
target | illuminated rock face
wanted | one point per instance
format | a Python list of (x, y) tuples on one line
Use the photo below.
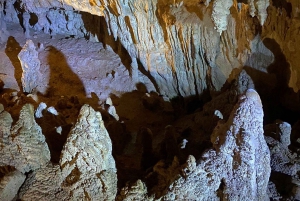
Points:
[(31, 67), (86, 160), (178, 43), (86, 170), (239, 165), (10, 184), (23, 145)]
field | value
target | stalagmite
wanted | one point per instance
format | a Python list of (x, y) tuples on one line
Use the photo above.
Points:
[(92, 175), (31, 67), (23, 145), (239, 145)]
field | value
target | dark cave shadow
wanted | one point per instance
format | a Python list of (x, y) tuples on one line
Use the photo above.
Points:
[(64, 90), (279, 100), (283, 4), (12, 50), (136, 113), (62, 78), (102, 33)]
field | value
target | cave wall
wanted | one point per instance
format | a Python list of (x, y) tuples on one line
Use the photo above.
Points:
[(187, 47)]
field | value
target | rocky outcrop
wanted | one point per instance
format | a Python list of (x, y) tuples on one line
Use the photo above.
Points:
[(44, 184), (23, 145), (86, 170), (86, 160), (176, 44), (239, 165), (10, 184), (31, 67), (136, 191), (282, 159)]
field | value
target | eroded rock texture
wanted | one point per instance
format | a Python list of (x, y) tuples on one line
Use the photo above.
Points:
[(44, 184), (10, 184), (23, 145), (86, 159), (31, 67), (239, 165), (86, 170), (177, 43), (135, 191)]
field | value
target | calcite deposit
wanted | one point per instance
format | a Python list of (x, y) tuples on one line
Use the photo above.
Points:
[(239, 165), (23, 145), (86, 169), (30, 65), (149, 100)]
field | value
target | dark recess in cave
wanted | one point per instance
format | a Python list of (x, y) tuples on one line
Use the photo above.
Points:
[(279, 100)]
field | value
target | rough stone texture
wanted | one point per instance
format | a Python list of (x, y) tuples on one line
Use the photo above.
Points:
[(136, 191), (10, 184), (242, 83), (86, 170), (23, 146), (282, 159), (31, 67), (220, 13), (4, 34), (44, 184), (272, 192), (86, 160), (176, 43), (238, 168), (38, 6)]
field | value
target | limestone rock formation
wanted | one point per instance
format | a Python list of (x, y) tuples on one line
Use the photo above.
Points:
[(220, 13), (23, 145), (86, 160), (86, 170), (111, 109), (284, 162), (31, 67), (259, 8), (44, 184), (4, 34), (242, 83), (282, 159), (10, 184), (136, 191), (238, 168)]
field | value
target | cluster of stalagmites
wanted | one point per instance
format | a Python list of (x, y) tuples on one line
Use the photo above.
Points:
[(86, 169), (236, 167)]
